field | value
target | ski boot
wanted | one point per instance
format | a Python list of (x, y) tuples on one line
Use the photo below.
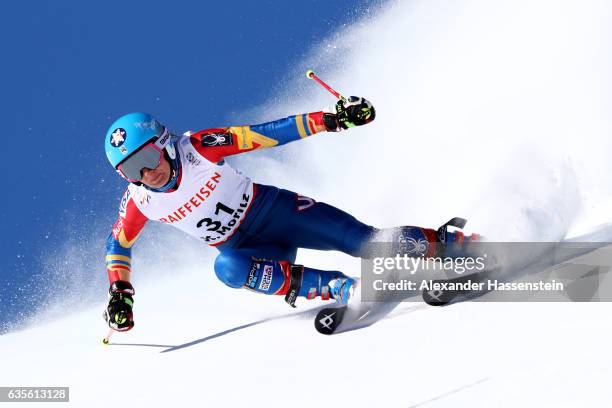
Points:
[(341, 289)]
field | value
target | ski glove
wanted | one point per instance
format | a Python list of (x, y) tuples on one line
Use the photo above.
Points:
[(118, 313), (355, 111)]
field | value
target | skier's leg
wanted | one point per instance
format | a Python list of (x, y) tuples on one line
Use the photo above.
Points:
[(305, 223), (302, 222), (271, 270)]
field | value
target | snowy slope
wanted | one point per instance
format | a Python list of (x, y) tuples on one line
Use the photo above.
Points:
[(490, 354), (495, 111)]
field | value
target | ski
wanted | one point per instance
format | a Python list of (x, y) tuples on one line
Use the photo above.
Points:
[(441, 297), (328, 319)]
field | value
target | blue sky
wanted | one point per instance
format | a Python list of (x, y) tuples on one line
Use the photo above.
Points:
[(71, 67)]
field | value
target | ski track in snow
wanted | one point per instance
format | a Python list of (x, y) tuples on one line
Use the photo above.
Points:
[(449, 393), (496, 112)]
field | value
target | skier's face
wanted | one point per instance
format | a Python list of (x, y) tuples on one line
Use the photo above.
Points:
[(157, 177)]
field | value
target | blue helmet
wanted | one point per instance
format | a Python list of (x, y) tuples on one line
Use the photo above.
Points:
[(133, 131), (128, 134)]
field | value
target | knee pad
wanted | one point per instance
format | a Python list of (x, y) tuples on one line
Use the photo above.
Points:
[(231, 270), (260, 275)]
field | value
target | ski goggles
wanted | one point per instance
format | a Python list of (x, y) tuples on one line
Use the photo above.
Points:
[(147, 157)]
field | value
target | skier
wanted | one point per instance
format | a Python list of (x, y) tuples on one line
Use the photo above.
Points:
[(183, 181)]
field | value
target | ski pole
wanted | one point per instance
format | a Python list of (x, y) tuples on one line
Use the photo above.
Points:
[(311, 75), (107, 338)]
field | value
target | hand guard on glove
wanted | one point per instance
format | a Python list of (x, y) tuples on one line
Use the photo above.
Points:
[(118, 313), (355, 111)]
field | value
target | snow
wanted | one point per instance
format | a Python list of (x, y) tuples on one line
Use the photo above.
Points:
[(544, 354), (497, 112)]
